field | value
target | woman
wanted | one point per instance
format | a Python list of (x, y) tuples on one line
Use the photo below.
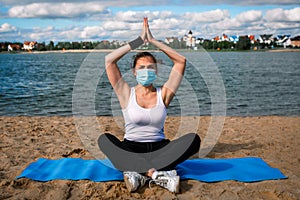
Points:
[(145, 154)]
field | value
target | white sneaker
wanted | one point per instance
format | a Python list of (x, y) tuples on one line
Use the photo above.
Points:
[(164, 173), (166, 181), (134, 180)]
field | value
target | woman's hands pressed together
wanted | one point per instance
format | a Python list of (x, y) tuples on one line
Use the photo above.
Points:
[(146, 33)]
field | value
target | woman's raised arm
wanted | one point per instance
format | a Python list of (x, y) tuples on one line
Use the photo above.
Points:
[(115, 78), (170, 87)]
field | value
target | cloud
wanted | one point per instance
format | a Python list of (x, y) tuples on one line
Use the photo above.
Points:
[(284, 26), (280, 15), (56, 10), (169, 23), (228, 26), (116, 25), (136, 16), (130, 16), (254, 22), (209, 16), (121, 3), (94, 21), (93, 32), (249, 16), (7, 28)]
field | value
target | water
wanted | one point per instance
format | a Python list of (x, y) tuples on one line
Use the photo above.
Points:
[(256, 83)]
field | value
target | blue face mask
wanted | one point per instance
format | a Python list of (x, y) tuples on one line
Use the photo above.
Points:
[(145, 77)]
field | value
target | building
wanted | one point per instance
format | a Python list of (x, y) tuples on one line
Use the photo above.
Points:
[(265, 38), (169, 40), (295, 42), (222, 38), (13, 47), (252, 39), (234, 38), (283, 40), (28, 46), (190, 40)]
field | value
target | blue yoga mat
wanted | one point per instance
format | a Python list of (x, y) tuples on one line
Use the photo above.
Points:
[(248, 169)]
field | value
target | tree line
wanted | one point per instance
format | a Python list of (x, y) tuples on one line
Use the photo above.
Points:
[(244, 43)]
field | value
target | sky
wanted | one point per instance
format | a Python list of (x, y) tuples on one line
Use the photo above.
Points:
[(90, 20)]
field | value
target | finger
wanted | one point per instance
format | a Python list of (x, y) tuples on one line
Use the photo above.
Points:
[(146, 21)]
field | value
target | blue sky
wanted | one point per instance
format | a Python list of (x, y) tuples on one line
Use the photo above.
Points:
[(74, 20)]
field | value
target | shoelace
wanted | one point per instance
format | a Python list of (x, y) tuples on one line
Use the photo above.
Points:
[(151, 182), (157, 180), (144, 180)]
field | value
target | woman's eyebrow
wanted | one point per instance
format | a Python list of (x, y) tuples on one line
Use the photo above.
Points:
[(147, 66)]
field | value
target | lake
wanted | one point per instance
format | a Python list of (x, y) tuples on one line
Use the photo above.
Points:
[(215, 83)]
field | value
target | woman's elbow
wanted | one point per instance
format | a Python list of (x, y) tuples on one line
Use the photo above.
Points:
[(108, 61), (182, 60)]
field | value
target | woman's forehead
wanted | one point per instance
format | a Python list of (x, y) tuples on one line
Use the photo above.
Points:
[(146, 59)]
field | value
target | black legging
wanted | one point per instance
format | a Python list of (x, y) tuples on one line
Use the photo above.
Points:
[(141, 156)]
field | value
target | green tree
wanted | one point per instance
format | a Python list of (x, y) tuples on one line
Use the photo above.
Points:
[(225, 45), (76, 45), (41, 46), (207, 44), (243, 43), (50, 46)]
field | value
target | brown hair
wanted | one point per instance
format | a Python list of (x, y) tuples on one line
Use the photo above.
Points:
[(141, 55)]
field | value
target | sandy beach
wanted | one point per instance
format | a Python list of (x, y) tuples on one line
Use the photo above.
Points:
[(272, 138)]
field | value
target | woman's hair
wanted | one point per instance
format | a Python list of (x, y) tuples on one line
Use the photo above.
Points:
[(141, 55)]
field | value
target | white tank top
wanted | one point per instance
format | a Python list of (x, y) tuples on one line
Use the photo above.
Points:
[(144, 124)]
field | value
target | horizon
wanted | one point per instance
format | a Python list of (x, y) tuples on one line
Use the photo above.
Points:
[(33, 20)]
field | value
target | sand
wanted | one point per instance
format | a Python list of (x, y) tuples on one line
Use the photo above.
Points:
[(25, 139)]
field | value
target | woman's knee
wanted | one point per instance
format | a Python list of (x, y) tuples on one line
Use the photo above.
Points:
[(106, 138), (196, 141), (194, 137)]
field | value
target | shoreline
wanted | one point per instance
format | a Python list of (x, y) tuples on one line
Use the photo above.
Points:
[(140, 50), (275, 139), (283, 50)]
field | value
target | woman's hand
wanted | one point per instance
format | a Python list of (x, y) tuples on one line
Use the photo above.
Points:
[(148, 32), (144, 31)]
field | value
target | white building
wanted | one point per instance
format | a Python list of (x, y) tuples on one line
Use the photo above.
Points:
[(169, 40), (190, 40), (9, 48), (266, 38), (284, 40), (28, 46), (234, 38)]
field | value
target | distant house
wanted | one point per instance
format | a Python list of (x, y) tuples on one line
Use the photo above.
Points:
[(217, 39), (13, 47), (283, 40), (234, 38), (295, 42), (9, 47), (222, 38), (28, 46), (266, 38), (190, 40), (252, 39), (169, 40)]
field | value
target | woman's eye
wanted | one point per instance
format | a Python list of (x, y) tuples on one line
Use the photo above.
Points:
[(151, 66)]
